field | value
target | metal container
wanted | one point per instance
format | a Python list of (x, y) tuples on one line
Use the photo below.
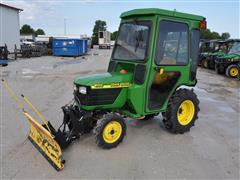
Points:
[(69, 47)]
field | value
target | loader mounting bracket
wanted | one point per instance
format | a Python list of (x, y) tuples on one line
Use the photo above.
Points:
[(76, 122)]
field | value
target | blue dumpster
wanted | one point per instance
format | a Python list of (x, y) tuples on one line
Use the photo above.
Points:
[(69, 47), (86, 45), (3, 62), (82, 46)]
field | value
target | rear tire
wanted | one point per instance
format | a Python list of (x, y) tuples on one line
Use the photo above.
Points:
[(110, 131), (182, 111), (232, 71)]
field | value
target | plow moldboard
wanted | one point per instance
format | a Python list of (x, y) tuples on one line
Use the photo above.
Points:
[(45, 143)]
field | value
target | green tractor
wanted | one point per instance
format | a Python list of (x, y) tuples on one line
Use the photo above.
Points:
[(220, 49), (209, 50), (230, 62), (155, 54)]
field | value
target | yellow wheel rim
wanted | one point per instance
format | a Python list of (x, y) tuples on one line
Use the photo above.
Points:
[(186, 112), (233, 72), (112, 132)]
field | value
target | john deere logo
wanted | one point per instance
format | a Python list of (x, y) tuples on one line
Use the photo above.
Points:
[(112, 85), (98, 86)]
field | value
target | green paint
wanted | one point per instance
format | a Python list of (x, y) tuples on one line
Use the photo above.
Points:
[(105, 78), (160, 12)]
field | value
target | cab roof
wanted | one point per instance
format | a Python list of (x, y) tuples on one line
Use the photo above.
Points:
[(156, 11)]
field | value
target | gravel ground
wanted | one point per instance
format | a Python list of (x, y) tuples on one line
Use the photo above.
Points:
[(209, 150)]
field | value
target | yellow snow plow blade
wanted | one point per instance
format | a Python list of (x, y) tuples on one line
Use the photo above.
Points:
[(40, 135), (43, 140)]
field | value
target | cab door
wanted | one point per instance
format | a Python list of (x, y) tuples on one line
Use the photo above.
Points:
[(171, 64)]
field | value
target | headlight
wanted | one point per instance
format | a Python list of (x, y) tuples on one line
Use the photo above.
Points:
[(82, 90)]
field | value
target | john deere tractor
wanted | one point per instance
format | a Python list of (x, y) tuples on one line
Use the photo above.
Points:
[(156, 52), (155, 55), (209, 50), (230, 62), (221, 48)]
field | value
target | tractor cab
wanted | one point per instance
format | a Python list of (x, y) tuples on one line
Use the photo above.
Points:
[(209, 46), (218, 48), (209, 50)]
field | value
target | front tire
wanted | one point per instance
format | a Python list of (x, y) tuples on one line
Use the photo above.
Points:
[(182, 111), (232, 71), (110, 131)]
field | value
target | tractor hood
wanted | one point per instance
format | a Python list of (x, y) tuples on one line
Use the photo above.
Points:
[(104, 79)]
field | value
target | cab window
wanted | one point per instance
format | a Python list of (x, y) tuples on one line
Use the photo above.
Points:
[(172, 44), (132, 41)]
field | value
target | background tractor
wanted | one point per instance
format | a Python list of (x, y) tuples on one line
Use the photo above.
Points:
[(210, 50), (220, 49), (230, 62)]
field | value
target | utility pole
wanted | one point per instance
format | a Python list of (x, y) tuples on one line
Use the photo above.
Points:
[(65, 31)]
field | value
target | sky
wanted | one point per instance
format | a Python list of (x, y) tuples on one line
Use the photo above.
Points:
[(222, 15)]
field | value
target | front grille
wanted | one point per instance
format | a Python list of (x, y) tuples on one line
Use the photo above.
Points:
[(97, 96)]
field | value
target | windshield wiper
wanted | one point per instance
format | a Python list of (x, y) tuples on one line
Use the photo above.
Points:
[(137, 44), (139, 38)]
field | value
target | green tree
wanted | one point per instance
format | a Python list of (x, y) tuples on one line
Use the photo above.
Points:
[(26, 29), (215, 35), (39, 32), (114, 35), (99, 26), (225, 35), (207, 34)]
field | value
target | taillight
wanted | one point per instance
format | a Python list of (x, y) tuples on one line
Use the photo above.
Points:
[(203, 24)]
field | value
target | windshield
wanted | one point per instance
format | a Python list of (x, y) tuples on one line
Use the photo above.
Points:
[(235, 49), (132, 41)]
